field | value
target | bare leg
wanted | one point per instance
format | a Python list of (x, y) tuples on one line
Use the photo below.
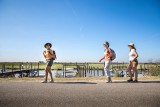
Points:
[(135, 70), (136, 73), (46, 75), (129, 70), (109, 79), (130, 74), (49, 70)]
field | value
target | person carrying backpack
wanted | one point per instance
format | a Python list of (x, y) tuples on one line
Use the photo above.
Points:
[(49, 55), (109, 55)]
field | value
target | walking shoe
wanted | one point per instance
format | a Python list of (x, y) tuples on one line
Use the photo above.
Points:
[(44, 82), (135, 81), (51, 82), (130, 80), (109, 82)]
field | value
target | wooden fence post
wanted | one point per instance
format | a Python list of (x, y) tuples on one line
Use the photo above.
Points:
[(12, 68), (38, 69), (85, 72), (94, 71), (97, 71)]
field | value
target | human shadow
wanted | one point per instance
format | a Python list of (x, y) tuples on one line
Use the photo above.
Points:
[(75, 83), (145, 81)]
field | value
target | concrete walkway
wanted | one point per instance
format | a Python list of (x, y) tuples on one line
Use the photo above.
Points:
[(79, 94)]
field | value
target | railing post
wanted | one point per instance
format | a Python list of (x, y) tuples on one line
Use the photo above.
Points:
[(91, 70), (31, 66), (65, 71), (3, 68), (20, 68), (97, 71), (12, 67), (38, 69), (94, 71), (85, 71)]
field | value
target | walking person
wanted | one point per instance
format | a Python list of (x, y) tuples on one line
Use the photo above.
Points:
[(107, 57), (133, 62), (49, 55)]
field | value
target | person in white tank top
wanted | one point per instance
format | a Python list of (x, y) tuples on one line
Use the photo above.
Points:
[(132, 55), (133, 62)]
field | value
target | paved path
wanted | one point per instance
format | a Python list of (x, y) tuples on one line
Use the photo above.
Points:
[(79, 94)]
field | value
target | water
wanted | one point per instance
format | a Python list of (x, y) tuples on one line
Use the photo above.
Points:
[(59, 73), (72, 73)]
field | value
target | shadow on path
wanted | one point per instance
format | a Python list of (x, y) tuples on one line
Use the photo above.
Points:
[(75, 83), (136, 82)]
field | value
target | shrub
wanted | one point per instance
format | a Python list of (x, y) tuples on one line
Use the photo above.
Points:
[(116, 74), (155, 73)]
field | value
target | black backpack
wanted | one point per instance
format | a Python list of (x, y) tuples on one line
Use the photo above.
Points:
[(54, 55)]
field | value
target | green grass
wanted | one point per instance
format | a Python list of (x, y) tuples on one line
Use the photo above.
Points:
[(16, 65)]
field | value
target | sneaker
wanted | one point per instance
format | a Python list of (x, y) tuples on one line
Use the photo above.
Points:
[(109, 82), (135, 81), (51, 82), (130, 80), (44, 82)]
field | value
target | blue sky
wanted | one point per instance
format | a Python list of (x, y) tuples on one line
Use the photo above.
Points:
[(78, 28)]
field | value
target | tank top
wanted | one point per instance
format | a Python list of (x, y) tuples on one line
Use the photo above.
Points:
[(131, 55), (48, 55), (107, 55)]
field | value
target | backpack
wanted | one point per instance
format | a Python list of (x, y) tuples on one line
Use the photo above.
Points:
[(113, 55), (54, 55)]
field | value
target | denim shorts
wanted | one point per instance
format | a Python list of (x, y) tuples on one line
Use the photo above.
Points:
[(49, 62)]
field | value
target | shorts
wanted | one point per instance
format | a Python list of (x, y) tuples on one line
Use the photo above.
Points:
[(133, 64), (49, 62)]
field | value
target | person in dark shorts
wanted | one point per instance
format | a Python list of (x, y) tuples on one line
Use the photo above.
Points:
[(48, 55), (133, 62)]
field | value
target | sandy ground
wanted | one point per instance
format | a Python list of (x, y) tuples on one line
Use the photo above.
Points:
[(81, 93)]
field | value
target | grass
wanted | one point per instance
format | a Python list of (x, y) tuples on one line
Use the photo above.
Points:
[(154, 67), (57, 65)]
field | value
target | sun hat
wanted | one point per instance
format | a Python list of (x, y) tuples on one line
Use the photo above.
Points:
[(48, 44), (131, 44), (106, 43)]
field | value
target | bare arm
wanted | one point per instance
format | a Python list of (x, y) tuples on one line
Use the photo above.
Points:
[(44, 54), (110, 52), (102, 58), (51, 51), (136, 55)]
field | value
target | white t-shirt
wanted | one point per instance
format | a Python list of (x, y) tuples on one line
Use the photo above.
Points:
[(131, 55)]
